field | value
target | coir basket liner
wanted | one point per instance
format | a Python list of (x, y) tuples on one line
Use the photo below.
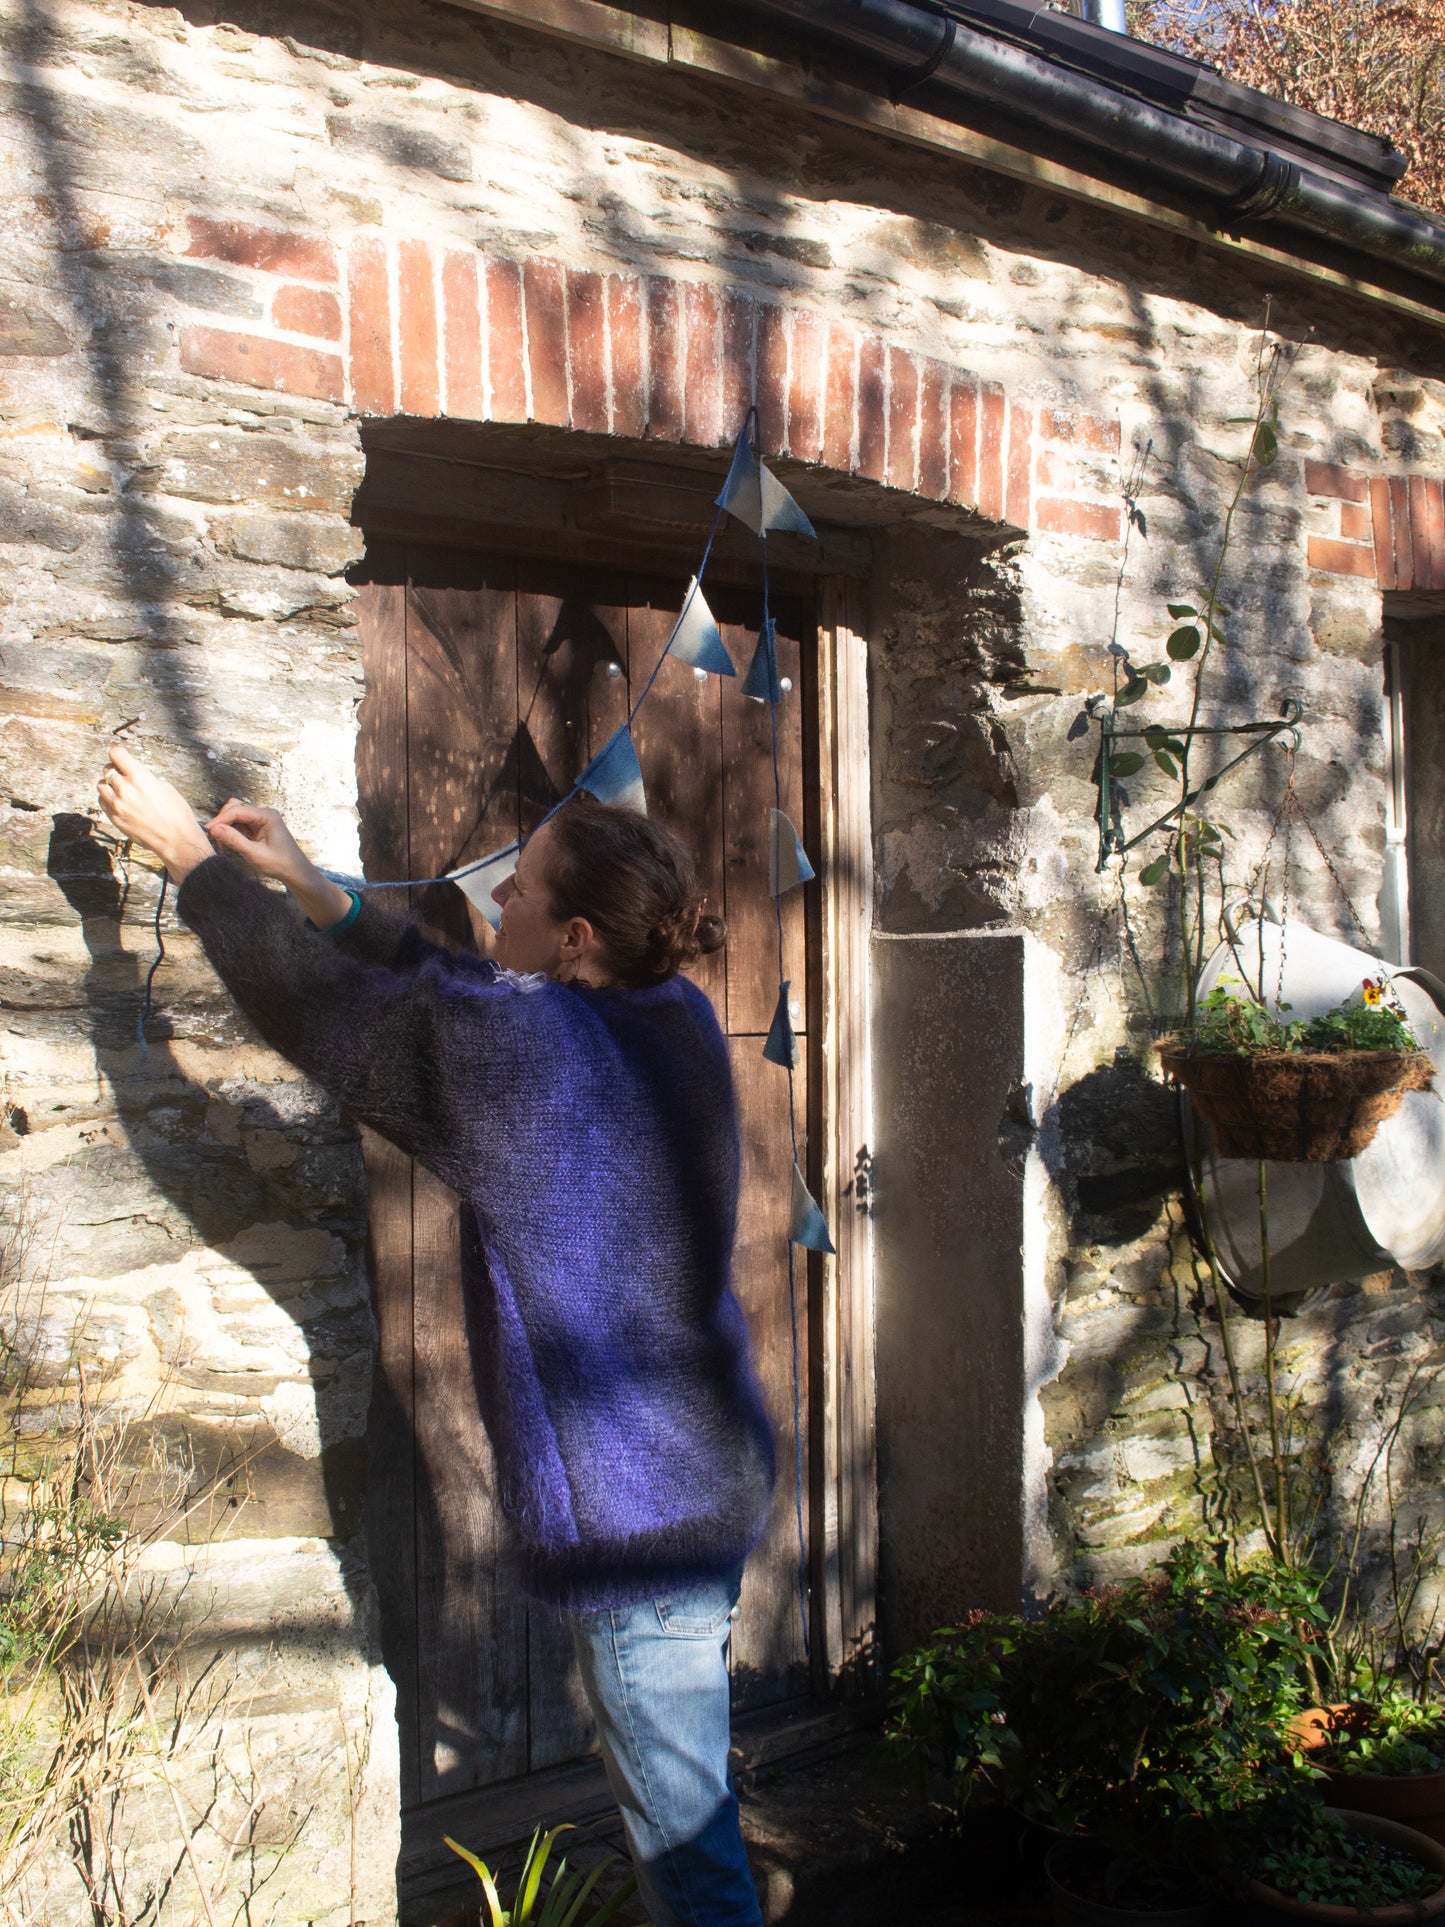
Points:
[(1296, 1107)]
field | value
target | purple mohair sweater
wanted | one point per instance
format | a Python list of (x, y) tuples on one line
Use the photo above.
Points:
[(592, 1136)]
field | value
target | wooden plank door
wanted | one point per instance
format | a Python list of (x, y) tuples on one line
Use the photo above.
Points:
[(491, 680)]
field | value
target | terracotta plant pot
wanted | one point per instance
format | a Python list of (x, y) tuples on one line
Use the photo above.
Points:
[(1414, 1799), (1398, 1914), (1076, 1910), (1295, 1107)]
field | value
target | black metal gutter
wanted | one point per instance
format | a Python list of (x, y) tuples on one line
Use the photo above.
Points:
[(940, 62)]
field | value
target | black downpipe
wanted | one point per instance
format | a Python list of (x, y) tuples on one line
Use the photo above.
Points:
[(935, 60)]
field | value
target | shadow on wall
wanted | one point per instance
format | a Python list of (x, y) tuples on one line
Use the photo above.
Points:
[(262, 1191), (1143, 1432), (222, 1188)]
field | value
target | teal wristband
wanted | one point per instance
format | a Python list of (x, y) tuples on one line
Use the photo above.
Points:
[(335, 929)]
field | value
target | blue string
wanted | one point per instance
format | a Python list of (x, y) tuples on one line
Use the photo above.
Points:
[(156, 962), (749, 428)]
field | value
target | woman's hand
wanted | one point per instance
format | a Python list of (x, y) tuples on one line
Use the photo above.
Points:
[(152, 812), (261, 839)]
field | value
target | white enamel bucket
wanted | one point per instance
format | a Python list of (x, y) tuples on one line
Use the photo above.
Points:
[(1327, 1222)]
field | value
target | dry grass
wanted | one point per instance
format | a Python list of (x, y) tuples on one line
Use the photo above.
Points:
[(1373, 64)]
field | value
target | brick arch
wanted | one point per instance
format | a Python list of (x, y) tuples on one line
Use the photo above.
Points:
[(398, 325)]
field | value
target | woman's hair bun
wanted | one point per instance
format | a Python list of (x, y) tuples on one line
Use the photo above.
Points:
[(710, 933)]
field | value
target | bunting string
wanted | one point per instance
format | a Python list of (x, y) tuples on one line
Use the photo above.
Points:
[(754, 496)]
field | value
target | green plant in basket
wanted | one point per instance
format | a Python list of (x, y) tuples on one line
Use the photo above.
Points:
[(1145, 1717), (566, 1899), (1225, 1021)]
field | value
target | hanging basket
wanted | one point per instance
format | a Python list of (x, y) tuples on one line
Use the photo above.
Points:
[(1295, 1107)]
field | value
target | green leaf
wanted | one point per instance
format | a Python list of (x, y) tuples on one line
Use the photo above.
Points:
[(1136, 687), (1266, 444), (1126, 763), (483, 1873), (1156, 871), (1166, 762), (1184, 643), (1157, 672), (1180, 609)]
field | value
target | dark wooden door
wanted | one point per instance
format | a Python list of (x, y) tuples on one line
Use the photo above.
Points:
[(491, 680)]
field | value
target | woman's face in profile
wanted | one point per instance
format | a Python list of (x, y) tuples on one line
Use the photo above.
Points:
[(529, 938)]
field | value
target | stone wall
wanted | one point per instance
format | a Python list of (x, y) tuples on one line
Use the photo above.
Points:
[(223, 227)]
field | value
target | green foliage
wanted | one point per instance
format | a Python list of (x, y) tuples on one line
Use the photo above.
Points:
[(1242, 1026), (1146, 1716), (568, 1895), (1394, 1735), (1321, 1859)]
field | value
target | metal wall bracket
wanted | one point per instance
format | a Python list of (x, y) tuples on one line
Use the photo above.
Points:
[(1112, 841)]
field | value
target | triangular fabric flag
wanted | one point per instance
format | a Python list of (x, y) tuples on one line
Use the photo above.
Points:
[(476, 881), (809, 1227), (757, 498), (788, 864), (762, 682), (782, 1046), (614, 775), (741, 492), (696, 637), (780, 512)]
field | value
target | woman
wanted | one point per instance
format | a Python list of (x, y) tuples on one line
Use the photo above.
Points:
[(575, 1091)]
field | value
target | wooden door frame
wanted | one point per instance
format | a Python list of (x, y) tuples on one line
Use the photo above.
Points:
[(844, 1456)]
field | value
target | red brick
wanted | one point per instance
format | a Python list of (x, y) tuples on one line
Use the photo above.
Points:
[(664, 360), (775, 416), (840, 411), (624, 329), (544, 301), (737, 387), (872, 410), (990, 451), (1356, 524), (1087, 431), (1435, 532), (1340, 484), (1340, 558), (1093, 521), (902, 463), (1422, 544), (807, 386), (506, 356), (418, 336), (307, 311), (1384, 546), (274, 250), (256, 362), (1020, 460), (701, 392), (462, 332), (587, 350), (373, 382), (1400, 530), (963, 441), (933, 431)]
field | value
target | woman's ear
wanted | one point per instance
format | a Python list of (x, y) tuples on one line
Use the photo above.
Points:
[(578, 938)]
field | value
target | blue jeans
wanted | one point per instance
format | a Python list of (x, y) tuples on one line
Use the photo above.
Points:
[(657, 1680)]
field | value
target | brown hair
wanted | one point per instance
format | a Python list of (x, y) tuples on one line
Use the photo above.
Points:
[(635, 884)]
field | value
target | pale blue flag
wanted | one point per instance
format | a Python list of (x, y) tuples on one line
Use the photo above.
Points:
[(757, 498), (762, 682), (614, 775), (476, 881), (809, 1227), (782, 1046), (696, 637), (788, 864)]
